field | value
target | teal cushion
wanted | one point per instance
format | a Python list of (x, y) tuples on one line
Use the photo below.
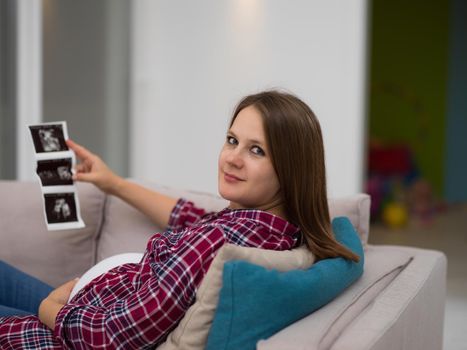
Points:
[(255, 302)]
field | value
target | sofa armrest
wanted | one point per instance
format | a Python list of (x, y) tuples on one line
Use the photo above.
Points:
[(52, 256), (386, 309), (409, 314)]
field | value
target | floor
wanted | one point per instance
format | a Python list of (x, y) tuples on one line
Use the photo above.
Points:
[(447, 232)]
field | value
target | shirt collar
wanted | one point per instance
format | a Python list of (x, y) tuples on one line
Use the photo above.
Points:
[(264, 218)]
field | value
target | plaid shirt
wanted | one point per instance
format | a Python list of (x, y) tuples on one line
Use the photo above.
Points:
[(135, 306)]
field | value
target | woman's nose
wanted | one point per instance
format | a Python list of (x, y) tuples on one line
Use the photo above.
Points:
[(235, 158)]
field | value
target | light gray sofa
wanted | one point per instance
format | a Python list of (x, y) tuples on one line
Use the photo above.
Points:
[(398, 303)]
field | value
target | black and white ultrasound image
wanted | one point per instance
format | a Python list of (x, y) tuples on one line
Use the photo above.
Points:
[(60, 207), (55, 172), (48, 138)]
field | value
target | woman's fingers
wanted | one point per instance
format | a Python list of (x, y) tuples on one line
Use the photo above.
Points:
[(80, 151), (91, 168), (80, 167), (87, 158)]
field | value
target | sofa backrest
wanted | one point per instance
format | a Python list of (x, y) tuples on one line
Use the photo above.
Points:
[(127, 230), (112, 227), (52, 256)]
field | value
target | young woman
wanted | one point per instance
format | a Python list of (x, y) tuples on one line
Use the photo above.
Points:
[(271, 169)]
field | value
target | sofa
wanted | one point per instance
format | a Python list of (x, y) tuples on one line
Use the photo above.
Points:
[(397, 303)]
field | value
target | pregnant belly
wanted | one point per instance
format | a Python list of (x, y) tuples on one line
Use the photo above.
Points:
[(104, 266)]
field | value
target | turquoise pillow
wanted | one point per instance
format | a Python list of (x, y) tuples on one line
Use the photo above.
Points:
[(255, 302)]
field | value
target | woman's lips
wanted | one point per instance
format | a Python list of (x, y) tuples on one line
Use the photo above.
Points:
[(231, 178)]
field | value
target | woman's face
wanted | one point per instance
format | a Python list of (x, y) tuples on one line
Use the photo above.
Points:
[(246, 174)]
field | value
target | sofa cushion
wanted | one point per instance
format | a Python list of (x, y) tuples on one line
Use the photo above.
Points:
[(192, 331), (256, 302), (52, 256)]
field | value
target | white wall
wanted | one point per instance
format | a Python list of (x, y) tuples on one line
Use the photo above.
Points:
[(28, 83), (193, 60)]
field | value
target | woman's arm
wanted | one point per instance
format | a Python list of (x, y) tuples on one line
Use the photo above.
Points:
[(50, 306), (155, 205)]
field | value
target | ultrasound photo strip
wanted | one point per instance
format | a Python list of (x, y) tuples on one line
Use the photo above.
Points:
[(54, 168)]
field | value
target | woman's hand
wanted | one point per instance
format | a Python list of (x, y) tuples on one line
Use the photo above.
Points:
[(50, 306), (92, 169)]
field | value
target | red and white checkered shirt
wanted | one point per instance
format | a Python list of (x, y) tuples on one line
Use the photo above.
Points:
[(135, 306)]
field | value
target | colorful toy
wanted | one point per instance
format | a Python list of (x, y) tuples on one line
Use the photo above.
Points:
[(395, 215)]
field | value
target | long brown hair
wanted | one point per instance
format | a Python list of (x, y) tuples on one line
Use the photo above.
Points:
[(296, 145)]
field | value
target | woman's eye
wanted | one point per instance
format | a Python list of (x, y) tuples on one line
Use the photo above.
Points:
[(231, 140), (257, 150)]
